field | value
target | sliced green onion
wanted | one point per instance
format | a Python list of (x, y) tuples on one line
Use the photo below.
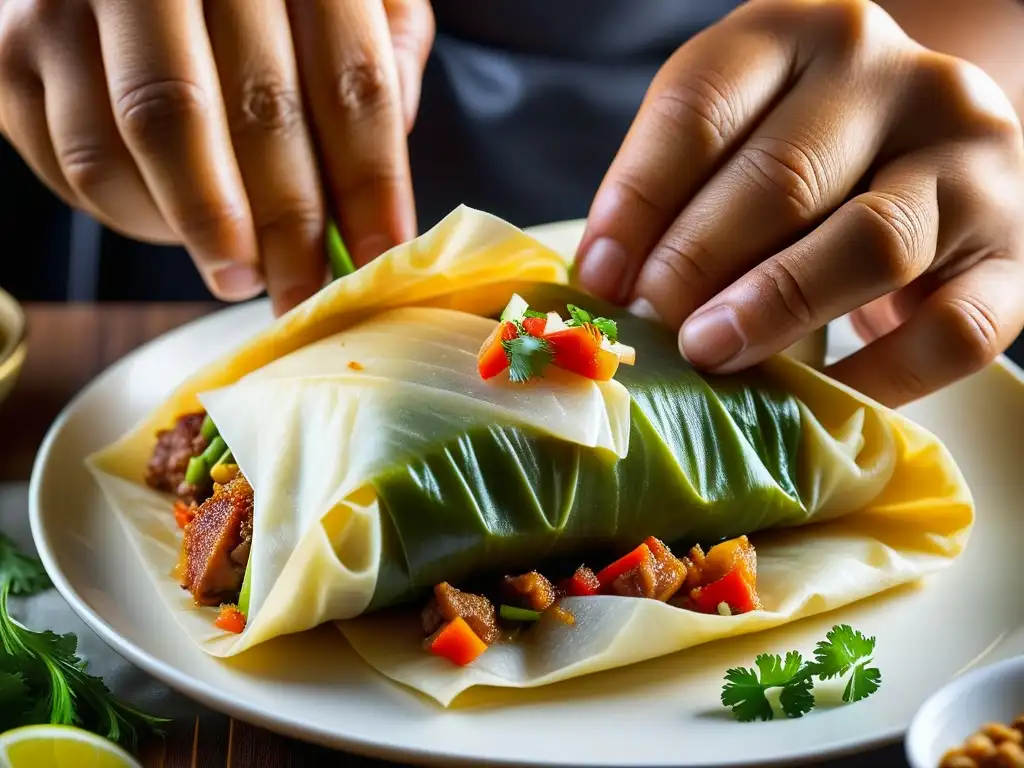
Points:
[(512, 613), (214, 450), (225, 458), (197, 471), (337, 254), (243, 596), (209, 429)]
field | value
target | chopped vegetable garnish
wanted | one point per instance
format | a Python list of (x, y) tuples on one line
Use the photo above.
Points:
[(844, 651), (209, 429), (528, 356), (356, 366), (337, 254), (511, 613), (24, 574), (456, 642), (492, 358), (526, 342), (734, 589), (724, 609), (578, 349), (609, 574), (230, 619)]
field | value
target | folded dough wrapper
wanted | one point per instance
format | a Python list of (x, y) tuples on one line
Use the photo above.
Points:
[(374, 481)]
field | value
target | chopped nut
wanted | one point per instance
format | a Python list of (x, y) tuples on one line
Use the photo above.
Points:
[(956, 758), (980, 747), (1000, 733), (1009, 754)]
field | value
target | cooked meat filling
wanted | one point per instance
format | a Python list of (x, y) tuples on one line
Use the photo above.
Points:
[(657, 577), (531, 590), (221, 527), (174, 447), (475, 610)]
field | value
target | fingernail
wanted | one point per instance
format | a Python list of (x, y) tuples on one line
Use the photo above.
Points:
[(601, 268), (643, 309), (238, 282), (711, 339), (369, 248)]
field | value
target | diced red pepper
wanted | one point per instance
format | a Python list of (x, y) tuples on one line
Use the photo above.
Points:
[(579, 350), (492, 359), (725, 556), (535, 326), (606, 576), (183, 513), (230, 619), (456, 642), (583, 583), (734, 589)]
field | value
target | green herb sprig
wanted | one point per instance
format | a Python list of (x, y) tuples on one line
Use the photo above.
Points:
[(843, 652), (42, 678)]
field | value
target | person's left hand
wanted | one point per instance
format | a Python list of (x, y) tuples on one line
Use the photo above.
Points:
[(799, 161)]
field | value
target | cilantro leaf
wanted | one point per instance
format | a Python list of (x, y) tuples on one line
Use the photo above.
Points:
[(745, 694), (25, 574), (59, 690), (842, 648), (744, 690), (862, 683), (607, 327), (528, 356), (534, 313), (796, 697), (577, 315)]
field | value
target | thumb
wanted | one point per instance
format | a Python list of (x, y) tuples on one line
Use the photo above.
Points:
[(412, 34)]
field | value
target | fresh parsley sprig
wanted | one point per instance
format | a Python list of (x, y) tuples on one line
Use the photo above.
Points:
[(844, 651), (528, 356), (42, 678)]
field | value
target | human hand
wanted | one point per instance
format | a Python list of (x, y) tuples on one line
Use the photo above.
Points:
[(801, 160), (220, 125)]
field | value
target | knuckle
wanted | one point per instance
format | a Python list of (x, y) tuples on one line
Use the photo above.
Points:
[(150, 109), (361, 87), (971, 330), (906, 381), (266, 105), (782, 280), (299, 216), (680, 261), (85, 163), (698, 104), (972, 103), (894, 235), (218, 221), (785, 170)]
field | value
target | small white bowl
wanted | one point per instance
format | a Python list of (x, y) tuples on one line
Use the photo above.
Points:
[(992, 694)]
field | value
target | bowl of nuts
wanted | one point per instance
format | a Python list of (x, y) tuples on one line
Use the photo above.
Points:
[(976, 721)]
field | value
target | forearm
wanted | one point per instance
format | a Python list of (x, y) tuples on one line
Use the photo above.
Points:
[(989, 33)]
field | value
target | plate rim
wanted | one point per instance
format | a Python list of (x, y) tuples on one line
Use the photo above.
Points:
[(208, 696)]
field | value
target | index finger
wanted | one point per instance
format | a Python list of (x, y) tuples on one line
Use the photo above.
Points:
[(702, 103), (347, 62)]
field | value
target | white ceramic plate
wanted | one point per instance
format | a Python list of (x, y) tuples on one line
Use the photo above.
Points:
[(664, 712)]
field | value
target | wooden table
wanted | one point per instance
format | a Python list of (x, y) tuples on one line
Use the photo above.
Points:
[(69, 345)]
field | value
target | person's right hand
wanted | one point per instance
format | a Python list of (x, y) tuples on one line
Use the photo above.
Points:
[(222, 125)]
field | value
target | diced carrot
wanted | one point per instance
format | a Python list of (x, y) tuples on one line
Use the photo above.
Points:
[(456, 642), (578, 349), (733, 589), (583, 583), (230, 619), (492, 359), (534, 326), (355, 365), (727, 555), (606, 576), (564, 616), (183, 513)]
